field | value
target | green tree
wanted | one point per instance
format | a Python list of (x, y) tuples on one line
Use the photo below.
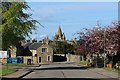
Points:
[(16, 24), (63, 48)]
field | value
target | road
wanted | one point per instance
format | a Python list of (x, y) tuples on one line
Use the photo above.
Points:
[(67, 71)]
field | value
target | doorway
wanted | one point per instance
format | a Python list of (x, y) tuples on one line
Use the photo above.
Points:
[(29, 61), (39, 59)]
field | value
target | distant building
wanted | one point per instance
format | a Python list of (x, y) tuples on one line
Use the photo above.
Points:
[(39, 52), (59, 36), (45, 54)]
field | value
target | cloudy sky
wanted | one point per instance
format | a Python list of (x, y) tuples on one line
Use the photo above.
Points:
[(71, 16)]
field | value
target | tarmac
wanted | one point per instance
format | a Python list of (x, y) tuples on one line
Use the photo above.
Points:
[(101, 71), (23, 72)]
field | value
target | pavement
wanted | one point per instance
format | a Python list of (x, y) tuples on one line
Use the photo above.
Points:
[(101, 71), (23, 72), (18, 74)]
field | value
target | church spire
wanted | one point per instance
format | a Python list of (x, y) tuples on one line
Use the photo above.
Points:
[(59, 36), (63, 37), (59, 33)]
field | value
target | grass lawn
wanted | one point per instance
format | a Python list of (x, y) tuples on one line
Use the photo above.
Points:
[(5, 71), (16, 64), (111, 69), (83, 62)]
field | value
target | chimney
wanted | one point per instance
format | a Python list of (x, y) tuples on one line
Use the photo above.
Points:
[(34, 40)]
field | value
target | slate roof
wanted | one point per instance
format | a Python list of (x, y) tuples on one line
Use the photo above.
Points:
[(35, 45), (27, 45), (23, 50)]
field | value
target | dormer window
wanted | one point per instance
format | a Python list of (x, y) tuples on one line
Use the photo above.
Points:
[(44, 49)]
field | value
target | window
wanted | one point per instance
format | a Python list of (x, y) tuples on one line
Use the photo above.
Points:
[(44, 49)]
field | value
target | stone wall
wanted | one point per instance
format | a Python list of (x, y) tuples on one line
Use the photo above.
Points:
[(25, 59), (73, 58), (3, 60), (34, 60)]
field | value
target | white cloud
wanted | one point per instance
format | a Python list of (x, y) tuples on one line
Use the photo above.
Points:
[(42, 36)]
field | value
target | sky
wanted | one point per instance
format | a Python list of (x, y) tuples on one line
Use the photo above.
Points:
[(71, 16), (69, 0)]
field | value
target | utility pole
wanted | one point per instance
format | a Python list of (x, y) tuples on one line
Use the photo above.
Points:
[(104, 47)]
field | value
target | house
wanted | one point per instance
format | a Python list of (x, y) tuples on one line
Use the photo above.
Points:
[(45, 54), (22, 51), (40, 52), (33, 48), (35, 52)]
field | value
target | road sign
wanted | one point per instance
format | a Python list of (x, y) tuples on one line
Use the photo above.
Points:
[(3, 54)]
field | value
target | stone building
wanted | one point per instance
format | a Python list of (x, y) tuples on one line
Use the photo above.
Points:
[(59, 36), (34, 52), (41, 52), (33, 48), (45, 54)]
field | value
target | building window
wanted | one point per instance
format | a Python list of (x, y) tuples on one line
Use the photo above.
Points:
[(44, 49)]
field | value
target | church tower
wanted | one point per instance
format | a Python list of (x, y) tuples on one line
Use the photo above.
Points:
[(59, 36), (59, 33)]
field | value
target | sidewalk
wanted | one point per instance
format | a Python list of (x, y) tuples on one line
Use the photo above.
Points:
[(105, 72), (35, 65), (18, 74), (101, 71)]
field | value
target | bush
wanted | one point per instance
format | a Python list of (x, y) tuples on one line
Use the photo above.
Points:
[(118, 63), (83, 62)]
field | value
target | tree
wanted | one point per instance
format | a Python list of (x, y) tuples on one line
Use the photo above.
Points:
[(80, 49), (103, 40), (16, 24), (63, 48)]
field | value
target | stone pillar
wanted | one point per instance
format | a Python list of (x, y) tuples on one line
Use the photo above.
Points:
[(68, 57)]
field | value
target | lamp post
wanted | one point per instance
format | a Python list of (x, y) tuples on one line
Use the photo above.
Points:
[(7, 57), (104, 59), (104, 46), (96, 60), (68, 57)]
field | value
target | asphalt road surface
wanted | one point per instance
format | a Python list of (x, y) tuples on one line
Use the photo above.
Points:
[(64, 71)]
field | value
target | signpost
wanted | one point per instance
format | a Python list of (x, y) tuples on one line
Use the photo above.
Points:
[(3, 55)]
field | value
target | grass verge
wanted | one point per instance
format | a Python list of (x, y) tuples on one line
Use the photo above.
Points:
[(16, 64), (83, 62), (5, 71), (111, 69)]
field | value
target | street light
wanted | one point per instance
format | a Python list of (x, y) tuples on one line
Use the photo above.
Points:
[(98, 28), (104, 46), (68, 57), (104, 34), (7, 57), (96, 56), (95, 59)]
